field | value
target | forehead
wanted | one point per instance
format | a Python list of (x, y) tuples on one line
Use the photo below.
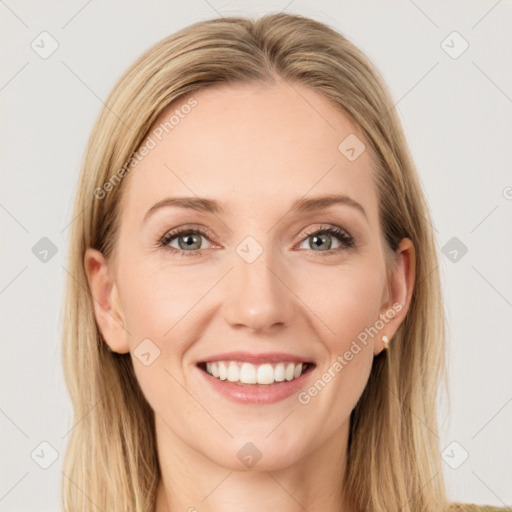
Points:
[(254, 147)]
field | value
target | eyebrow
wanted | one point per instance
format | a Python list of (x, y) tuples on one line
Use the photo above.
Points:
[(303, 205)]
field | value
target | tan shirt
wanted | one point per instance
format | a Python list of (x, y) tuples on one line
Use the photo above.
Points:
[(471, 507)]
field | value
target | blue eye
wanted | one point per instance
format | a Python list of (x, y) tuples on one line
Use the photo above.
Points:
[(322, 239), (188, 240)]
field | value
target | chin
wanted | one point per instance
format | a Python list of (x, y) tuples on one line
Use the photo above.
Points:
[(255, 452)]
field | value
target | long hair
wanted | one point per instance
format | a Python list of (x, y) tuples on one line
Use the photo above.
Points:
[(393, 459)]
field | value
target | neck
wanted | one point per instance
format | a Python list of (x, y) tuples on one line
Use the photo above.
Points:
[(192, 482)]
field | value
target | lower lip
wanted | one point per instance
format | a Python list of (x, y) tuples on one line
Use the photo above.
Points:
[(252, 394)]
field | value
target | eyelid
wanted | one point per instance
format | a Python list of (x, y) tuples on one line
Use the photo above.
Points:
[(180, 230), (324, 228), (165, 240)]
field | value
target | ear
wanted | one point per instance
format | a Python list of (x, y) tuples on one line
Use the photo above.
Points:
[(397, 296), (107, 306)]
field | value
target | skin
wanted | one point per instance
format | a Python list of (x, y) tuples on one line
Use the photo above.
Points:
[(255, 150)]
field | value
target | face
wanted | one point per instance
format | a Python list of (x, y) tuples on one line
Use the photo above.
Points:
[(264, 276)]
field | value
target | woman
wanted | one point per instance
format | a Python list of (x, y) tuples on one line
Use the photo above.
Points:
[(254, 315)]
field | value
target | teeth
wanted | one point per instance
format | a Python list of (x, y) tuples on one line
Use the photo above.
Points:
[(265, 374), (247, 373), (279, 372), (233, 372), (290, 371), (223, 371)]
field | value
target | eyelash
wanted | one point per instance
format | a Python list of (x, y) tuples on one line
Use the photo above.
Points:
[(346, 239)]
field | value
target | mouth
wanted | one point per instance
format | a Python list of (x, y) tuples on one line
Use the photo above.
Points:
[(246, 374)]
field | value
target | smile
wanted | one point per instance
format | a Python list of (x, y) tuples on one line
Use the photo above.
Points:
[(245, 373)]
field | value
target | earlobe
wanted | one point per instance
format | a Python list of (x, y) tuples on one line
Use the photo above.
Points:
[(107, 307), (399, 295)]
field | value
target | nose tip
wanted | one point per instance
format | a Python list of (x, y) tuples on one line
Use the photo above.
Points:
[(255, 296)]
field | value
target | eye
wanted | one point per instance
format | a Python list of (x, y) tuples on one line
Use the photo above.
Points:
[(321, 240), (186, 241)]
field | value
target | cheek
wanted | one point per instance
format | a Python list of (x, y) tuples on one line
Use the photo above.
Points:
[(159, 305), (157, 301), (349, 305), (346, 301)]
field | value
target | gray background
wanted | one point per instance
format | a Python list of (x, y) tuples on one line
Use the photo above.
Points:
[(457, 117)]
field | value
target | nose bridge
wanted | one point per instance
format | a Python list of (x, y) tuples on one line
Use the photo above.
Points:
[(255, 294)]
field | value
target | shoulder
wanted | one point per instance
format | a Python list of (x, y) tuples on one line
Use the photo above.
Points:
[(471, 507)]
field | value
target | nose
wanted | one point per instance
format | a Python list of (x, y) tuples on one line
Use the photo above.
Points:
[(257, 297)]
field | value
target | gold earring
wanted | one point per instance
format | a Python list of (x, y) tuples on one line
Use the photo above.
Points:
[(385, 341)]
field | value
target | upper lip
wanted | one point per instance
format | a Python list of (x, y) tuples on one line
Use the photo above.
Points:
[(266, 357)]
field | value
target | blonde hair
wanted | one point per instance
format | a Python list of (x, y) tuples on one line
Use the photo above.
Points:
[(393, 454)]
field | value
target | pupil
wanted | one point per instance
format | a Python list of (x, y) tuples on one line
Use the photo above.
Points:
[(321, 238), (190, 240)]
